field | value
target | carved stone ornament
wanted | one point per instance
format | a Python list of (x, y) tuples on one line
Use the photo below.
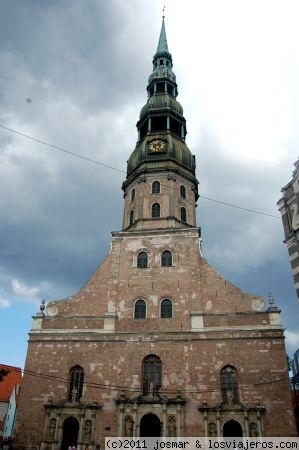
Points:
[(257, 305), (52, 310)]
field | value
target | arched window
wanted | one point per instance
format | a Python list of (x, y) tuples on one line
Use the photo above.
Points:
[(156, 187), (152, 375), (229, 385), (166, 259), (142, 260), (183, 215), (183, 191), (131, 219), (166, 308), (76, 379), (140, 310), (155, 210), (133, 194)]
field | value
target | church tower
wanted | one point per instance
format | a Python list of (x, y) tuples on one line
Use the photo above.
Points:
[(161, 187), (157, 343)]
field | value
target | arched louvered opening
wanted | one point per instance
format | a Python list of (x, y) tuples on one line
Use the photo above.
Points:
[(156, 210), (131, 217), (142, 260), (166, 259), (133, 195), (183, 215), (140, 309), (166, 308), (156, 187)]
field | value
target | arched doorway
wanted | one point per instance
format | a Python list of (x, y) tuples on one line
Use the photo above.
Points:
[(150, 426), (70, 432), (232, 428)]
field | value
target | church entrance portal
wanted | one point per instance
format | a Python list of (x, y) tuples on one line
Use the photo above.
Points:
[(70, 433), (232, 428), (150, 426)]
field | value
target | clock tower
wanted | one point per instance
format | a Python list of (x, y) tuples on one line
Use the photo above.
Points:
[(161, 187), (157, 342)]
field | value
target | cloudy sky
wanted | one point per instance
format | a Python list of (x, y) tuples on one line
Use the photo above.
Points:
[(73, 74)]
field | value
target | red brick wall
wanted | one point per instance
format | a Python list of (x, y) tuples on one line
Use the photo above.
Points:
[(233, 333)]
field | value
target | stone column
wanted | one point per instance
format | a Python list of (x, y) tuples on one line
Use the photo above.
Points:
[(259, 423), (93, 429), (120, 418), (178, 419), (80, 434), (246, 423), (135, 425), (164, 429), (218, 424), (59, 431), (56, 437), (205, 417)]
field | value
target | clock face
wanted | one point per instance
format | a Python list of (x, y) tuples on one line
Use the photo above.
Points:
[(157, 145)]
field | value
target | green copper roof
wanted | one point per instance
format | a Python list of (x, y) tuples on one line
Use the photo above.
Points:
[(162, 45)]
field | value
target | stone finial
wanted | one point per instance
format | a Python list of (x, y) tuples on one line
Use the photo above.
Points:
[(42, 306), (41, 313), (271, 299)]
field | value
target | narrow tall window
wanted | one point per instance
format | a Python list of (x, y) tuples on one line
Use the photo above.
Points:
[(140, 310), (229, 385), (152, 375), (166, 259), (155, 210), (166, 308), (156, 187), (142, 260), (133, 194), (76, 379), (183, 191), (183, 215), (131, 219)]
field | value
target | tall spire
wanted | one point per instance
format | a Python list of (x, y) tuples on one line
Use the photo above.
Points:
[(161, 155), (162, 45)]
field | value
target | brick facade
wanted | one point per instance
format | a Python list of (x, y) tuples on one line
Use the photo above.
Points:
[(214, 324), (215, 358)]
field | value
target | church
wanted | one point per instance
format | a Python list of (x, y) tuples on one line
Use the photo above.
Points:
[(157, 342)]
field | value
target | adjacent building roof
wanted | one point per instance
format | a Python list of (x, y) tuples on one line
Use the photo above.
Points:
[(9, 381)]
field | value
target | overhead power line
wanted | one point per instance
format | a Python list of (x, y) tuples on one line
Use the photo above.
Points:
[(61, 149), (239, 207), (85, 158), (138, 389)]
